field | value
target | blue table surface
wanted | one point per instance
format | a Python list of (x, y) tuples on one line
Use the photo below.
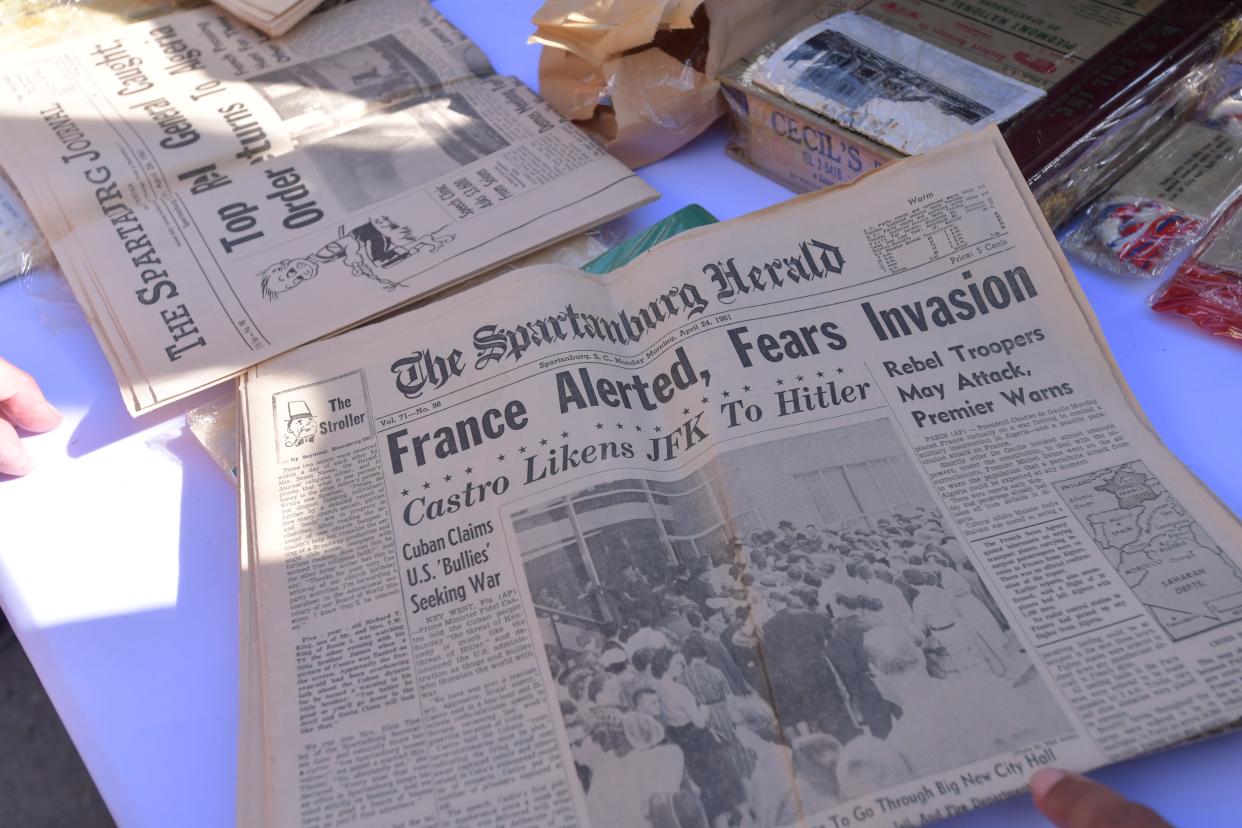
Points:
[(118, 556)]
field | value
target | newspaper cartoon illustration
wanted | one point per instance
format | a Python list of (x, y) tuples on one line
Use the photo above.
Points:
[(367, 250), (300, 426)]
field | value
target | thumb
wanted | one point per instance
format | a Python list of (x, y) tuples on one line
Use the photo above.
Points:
[(1073, 801), (22, 403)]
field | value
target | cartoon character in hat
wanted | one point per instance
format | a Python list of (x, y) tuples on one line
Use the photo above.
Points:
[(300, 427), (367, 250)]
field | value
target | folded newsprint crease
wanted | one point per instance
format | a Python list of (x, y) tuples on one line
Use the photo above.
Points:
[(834, 514), (216, 198)]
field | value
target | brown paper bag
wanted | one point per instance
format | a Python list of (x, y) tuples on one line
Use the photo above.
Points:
[(639, 75)]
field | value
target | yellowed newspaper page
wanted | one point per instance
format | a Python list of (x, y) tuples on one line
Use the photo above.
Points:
[(833, 514), (217, 198)]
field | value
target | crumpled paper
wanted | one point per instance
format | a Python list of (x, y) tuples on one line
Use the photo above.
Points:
[(596, 30), (640, 75)]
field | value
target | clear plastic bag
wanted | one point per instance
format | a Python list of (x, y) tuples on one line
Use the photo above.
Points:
[(214, 424), (22, 246), (1222, 107), (1207, 287), (1088, 130), (28, 24), (1162, 206), (1134, 235)]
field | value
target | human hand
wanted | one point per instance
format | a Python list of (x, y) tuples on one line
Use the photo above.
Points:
[(21, 406), (1073, 801)]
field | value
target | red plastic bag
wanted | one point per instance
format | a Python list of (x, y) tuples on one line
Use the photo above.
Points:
[(1207, 288)]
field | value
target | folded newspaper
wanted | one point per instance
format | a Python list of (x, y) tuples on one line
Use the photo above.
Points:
[(27, 24), (273, 17), (834, 514), (216, 198)]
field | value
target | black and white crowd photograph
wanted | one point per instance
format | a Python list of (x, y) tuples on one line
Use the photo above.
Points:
[(792, 626)]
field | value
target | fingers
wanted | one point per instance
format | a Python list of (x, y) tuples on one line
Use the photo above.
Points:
[(13, 458), (1072, 801), (22, 403)]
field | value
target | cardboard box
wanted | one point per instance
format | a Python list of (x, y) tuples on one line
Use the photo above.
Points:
[(789, 143), (1039, 43)]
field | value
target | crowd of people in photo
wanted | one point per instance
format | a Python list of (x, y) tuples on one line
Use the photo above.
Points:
[(808, 667)]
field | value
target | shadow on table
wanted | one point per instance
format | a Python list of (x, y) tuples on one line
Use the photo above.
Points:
[(151, 696)]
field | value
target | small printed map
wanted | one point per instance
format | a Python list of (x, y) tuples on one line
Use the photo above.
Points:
[(1170, 562)]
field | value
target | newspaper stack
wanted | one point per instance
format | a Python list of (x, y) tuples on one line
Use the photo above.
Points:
[(273, 17), (216, 198), (838, 513), (27, 24)]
